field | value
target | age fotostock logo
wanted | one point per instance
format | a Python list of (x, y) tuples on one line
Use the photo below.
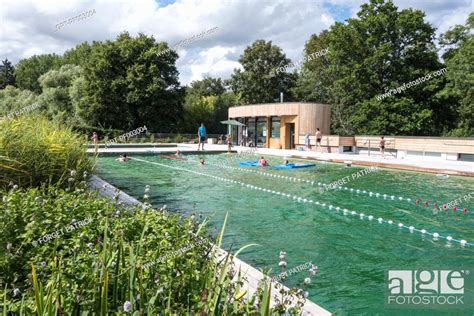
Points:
[(429, 288)]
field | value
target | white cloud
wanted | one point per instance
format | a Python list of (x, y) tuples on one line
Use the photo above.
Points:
[(27, 26)]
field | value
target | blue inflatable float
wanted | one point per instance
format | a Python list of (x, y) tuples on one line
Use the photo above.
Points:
[(295, 166), (249, 163)]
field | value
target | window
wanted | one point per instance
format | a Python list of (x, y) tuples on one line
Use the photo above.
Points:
[(261, 131), (275, 127)]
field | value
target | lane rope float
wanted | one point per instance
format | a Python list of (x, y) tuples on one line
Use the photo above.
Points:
[(462, 210), (345, 211)]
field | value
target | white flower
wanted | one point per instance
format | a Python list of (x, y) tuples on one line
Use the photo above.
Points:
[(147, 190), (138, 296), (113, 263), (38, 199), (117, 213), (307, 281), (9, 246), (306, 294), (85, 174), (282, 257), (282, 264), (90, 245), (73, 173), (16, 292), (146, 196), (4, 199), (15, 187), (73, 221), (70, 179), (147, 186), (127, 306), (10, 184), (35, 243), (43, 264), (282, 253), (193, 217)]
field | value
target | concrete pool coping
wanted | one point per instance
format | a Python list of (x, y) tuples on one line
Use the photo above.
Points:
[(252, 275), (459, 168)]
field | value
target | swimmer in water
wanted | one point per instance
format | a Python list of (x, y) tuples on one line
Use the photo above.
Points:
[(123, 158), (286, 162), (178, 153), (262, 162), (201, 162)]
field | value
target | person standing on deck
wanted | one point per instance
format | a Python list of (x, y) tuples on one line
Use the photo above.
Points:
[(201, 136), (307, 141), (229, 143), (382, 146), (95, 140), (319, 136)]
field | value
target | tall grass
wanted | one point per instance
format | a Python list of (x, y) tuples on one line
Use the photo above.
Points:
[(34, 150)]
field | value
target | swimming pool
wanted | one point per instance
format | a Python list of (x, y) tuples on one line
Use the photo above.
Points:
[(352, 251)]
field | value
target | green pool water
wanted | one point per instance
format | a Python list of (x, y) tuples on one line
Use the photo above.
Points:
[(352, 254)]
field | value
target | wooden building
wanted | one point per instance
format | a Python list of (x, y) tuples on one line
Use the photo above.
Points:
[(279, 125)]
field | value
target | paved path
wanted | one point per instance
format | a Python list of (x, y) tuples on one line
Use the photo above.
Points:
[(462, 168)]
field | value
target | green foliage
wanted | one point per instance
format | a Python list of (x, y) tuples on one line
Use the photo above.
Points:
[(78, 55), (207, 102), (28, 71), (7, 76), (57, 86), (34, 150), (258, 83), (313, 84), (460, 62), (159, 262), (12, 99), (128, 85)]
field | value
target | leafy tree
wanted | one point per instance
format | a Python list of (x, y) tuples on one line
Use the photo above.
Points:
[(128, 84), (459, 57), (28, 71), (379, 50), (12, 98), (259, 82), (7, 76), (207, 87), (56, 86), (314, 82), (207, 102), (78, 55)]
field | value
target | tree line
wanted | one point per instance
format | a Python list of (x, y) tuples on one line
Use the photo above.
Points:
[(129, 82)]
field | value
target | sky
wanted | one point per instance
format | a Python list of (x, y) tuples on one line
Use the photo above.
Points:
[(28, 27)]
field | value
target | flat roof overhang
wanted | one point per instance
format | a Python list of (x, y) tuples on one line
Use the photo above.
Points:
[(275, 109)]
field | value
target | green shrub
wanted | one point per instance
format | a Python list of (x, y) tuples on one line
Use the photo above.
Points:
[(127, 237), (34, 150), (152, 138), (179, 138), (112, 260)]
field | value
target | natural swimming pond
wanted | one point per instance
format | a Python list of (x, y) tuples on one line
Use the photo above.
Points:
[(278, 211)]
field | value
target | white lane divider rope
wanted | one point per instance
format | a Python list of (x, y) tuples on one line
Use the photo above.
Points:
[(345, 211), (320, 184)]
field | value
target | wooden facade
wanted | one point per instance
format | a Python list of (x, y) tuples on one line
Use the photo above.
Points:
[(295, 119)]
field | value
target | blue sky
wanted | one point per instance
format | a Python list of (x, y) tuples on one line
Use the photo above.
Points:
[(27, 27)]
